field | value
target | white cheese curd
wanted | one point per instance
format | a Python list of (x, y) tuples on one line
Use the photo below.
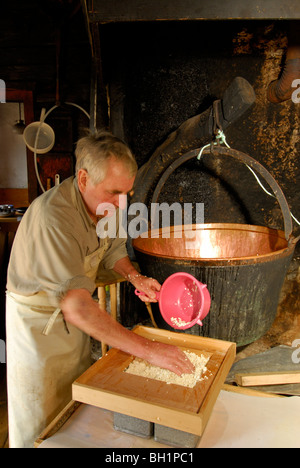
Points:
[(144, 369), (179, 322)]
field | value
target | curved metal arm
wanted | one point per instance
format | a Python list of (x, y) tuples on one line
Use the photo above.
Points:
[(244, 158)]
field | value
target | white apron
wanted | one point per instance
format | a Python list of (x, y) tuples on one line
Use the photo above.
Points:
[(44, 357)]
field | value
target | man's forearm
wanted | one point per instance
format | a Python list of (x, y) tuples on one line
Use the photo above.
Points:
[(126, 269), (80, 310), (83, 312)]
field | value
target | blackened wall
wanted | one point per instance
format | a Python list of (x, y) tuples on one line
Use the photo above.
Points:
[(162, 73)]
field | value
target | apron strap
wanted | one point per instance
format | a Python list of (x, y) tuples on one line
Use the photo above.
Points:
[(51, 321)]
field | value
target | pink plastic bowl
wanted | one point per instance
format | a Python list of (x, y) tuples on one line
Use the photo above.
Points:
[(183, 301)]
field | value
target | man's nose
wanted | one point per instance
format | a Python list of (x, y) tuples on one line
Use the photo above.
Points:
[(120, 201)]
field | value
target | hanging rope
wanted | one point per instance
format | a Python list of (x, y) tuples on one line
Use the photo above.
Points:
[(220, 139)]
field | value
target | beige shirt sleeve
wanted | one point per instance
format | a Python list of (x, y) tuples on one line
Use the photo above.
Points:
[(52, 262), (61, 265), (51, 245), (49, 249)]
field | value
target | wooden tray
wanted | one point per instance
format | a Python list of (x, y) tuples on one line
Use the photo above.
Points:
[(106, 385)]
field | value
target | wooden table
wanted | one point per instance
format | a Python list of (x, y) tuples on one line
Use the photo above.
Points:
[(241, 418)]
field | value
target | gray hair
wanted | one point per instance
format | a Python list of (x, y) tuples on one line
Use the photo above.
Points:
[(94, 151)]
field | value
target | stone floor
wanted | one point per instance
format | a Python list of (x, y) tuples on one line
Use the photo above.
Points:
[(284, 331)]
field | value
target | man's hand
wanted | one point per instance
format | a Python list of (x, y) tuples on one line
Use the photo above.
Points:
[(169, 357), (147, 286)]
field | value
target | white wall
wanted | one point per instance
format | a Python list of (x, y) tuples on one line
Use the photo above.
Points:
[(13, 165)]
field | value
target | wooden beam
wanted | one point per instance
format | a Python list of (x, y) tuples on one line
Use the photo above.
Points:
[(270, 378), (98, 97), (14, 196), (87, 24), (146, 10)]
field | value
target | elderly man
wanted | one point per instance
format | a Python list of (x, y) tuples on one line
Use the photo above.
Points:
[(50, 312)]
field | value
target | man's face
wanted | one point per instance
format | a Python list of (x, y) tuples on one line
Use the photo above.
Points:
[(117, 182)]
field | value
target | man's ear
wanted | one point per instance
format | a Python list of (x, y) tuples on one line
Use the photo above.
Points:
[(82, 179)]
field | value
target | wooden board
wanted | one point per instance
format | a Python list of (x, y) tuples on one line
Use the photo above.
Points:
[(270, 378), (278, 359), (107, 386)]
